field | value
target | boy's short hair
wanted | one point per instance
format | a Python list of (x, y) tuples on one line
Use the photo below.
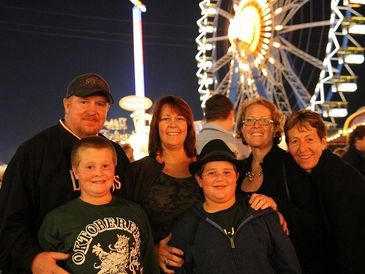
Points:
[(91, 142)]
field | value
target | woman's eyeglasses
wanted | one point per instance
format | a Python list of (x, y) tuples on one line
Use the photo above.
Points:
[(261, 121)]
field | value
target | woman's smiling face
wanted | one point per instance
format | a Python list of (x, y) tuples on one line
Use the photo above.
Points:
[(258, 135)]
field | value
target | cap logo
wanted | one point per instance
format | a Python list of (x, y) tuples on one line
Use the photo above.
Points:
[(94, 81)]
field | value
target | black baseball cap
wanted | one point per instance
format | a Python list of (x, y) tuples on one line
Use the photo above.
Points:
[(89, 84)]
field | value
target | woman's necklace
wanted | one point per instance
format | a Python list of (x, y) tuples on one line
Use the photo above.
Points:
[(251, 176)]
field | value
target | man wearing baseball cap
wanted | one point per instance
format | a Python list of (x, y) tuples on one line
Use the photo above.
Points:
[(39, 177)]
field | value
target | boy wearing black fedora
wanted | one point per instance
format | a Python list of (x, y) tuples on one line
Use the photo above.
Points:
[(223, 234)]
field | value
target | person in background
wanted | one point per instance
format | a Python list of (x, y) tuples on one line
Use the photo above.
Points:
[(219, 122), (39, 177), (260, 125), (100, 231), (161, 182), (128, 150), (355, 155), (326, 195), (223, 234)]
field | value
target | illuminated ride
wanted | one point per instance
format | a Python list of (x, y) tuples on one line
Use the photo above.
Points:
[(293, 52), (116, 129)]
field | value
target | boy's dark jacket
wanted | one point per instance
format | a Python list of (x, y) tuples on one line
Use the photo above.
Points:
[(259, 244)]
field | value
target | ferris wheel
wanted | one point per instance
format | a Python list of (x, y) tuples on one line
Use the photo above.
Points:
[(296, 53)]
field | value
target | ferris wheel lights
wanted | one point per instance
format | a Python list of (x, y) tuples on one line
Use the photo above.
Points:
[(266, 41), (352, 55), (276, 45), (208, 46), (334, 109), (245, 27), (206, 5), (264, 72), (351, 2), (244, 66), (208, 64), (208, 29), (357, 29), (210, 10), (278, 10), (205, 47), (344, 83), (344, 87), (266, 11), (267, 17), (260, 56), (265, 47), (354, 24), (206, 81), (249, 81), (209, 81), (354, 58), (262, 3), (253, 35)]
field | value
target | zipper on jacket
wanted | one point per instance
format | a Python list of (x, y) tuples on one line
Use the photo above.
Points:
[(238, 228), (231, 239), (232, 242), (221, 229)]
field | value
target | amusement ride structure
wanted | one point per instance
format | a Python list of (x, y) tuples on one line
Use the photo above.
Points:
[(296, 53)]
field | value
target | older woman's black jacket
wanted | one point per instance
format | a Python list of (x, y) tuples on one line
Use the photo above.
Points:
[(327, 216)]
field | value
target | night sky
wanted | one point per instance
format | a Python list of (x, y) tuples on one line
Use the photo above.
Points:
[(44, 44)]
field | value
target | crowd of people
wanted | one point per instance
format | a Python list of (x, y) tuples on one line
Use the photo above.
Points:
[(215, 201)]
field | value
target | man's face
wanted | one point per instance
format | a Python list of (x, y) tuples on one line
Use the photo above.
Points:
[(218, 183), (85, 116), (95, 173), (305, 146)]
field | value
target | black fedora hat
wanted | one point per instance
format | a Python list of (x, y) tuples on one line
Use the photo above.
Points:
[(215, 150)]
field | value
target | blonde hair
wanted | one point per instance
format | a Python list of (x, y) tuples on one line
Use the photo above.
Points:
[(91, 142)]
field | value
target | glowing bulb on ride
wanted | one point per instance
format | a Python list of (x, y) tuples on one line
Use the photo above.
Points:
[(246, 27)]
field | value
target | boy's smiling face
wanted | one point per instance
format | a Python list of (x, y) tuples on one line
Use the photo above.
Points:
[(218, 182), (95, 173)]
